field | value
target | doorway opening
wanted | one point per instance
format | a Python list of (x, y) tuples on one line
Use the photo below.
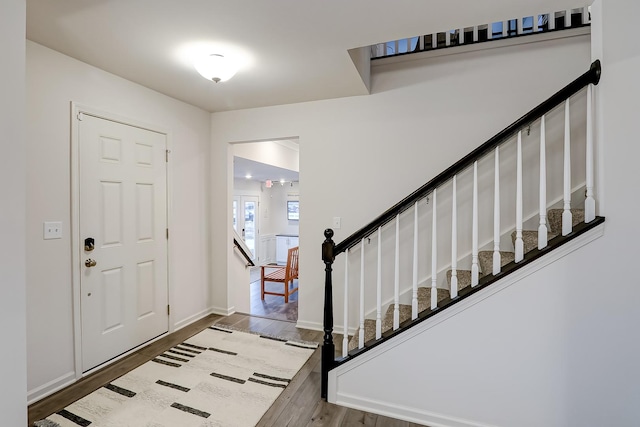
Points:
[(266, 191)]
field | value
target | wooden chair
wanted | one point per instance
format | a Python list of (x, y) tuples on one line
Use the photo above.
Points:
[(284, 275)]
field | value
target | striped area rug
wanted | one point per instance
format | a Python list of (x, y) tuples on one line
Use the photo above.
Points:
[(219, 377)]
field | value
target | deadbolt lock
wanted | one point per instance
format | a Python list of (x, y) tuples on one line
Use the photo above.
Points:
[(89, 244), (90, 263)]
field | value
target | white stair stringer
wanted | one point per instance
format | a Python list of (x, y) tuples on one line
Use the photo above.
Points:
[(460, 367)]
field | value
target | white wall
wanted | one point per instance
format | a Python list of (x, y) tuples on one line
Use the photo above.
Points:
[(53, 81), (560, 347), (355, 152), (13, 370)]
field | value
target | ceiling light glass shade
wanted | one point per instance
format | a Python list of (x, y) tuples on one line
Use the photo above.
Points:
[(216, 67)]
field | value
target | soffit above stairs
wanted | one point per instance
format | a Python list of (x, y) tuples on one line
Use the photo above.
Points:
[(298, 50)]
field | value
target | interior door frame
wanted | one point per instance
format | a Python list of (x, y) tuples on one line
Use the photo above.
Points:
[(76, 259)]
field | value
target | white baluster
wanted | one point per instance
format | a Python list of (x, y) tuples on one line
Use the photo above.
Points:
[(475, 270), (421, 43), (567, 18), (447, 38), (590, 202), (519, 26), (489, 31), (552, 21), (396, 46), (585, 15), (379, 288), (536, 27), (567, 217), (434, 40), (505, 28), (396, 281), (475, 33), (519, 244), (408, 45), (345, 333), (542, 228), (361, 330), (461, 36), (434, 255), (414, 297), (496, 215), (454, 241)]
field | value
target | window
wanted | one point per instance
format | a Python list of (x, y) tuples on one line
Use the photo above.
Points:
[(293, 210)]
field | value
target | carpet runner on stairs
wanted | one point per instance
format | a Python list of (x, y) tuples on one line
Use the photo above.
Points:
[(485, 261)]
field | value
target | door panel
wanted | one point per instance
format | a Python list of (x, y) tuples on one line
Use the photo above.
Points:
[(123, 208)]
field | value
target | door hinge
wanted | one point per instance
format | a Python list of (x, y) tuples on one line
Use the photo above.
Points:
[(167, 234), (168, 309)]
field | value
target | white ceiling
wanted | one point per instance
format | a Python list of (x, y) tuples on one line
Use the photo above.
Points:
[(293, 50), (261, 171)]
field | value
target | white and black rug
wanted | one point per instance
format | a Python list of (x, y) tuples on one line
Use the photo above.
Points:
[(219, 377)]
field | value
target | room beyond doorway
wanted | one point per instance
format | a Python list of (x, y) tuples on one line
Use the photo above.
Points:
[(266, 173), (272, 307)]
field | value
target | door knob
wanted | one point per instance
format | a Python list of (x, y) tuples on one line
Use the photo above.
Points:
[(90, 263)]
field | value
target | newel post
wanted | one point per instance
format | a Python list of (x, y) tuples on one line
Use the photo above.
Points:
[(328, 347)]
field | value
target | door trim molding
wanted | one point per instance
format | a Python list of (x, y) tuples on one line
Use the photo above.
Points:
[(76, 110)]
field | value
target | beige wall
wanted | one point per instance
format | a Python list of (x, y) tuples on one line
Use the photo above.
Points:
[(53, 81), (12, 213)]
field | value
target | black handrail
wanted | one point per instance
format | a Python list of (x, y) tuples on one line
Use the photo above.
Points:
[(591, 76), (246, 256), (330, 250)]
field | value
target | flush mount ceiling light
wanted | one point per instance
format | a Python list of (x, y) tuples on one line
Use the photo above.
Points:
[(216, 67)]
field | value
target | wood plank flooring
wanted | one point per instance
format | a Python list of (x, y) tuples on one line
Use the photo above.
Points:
[(298, 405)]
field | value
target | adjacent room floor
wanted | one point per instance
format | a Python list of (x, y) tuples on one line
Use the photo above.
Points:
[(273, 307)]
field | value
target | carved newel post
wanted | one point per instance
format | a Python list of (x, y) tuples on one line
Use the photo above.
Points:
[(328, 348)]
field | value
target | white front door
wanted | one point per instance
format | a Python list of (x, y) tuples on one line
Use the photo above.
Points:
[(123, 221)]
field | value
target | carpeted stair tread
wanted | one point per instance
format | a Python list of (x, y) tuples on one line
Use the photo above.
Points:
[(485, 259), (424, 297), (387, 321), (464, 278), (369, 333), (530, 239), (554, 219)]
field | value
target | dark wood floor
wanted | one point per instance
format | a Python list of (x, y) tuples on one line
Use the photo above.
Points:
[(298, 405)]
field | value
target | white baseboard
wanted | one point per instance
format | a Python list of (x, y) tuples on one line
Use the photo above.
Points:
[(191, 319), (314, 326), (223, 311), (51, 387), (404, 413)]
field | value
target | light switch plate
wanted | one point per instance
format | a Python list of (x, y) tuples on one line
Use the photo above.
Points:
[(52, 230)]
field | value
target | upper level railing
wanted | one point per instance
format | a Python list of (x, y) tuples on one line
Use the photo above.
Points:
[(529, 25), (511, 134)]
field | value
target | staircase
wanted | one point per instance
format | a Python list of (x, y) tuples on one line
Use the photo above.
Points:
[(559, 219), (485, 259)]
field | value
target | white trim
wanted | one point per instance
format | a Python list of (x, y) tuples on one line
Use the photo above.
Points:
[(405, 413), (313, 326), (51, 387), (76, 109), (483, 294), (192, 319), (223, 311)]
